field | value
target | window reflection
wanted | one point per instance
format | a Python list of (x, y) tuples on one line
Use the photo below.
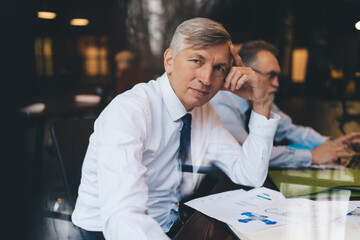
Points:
[(151, 23), (95, 54), (44, 57)]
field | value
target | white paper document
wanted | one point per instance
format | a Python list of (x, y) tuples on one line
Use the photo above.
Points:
[(353, 214), (261, 208), (233, 207), (307, 212)]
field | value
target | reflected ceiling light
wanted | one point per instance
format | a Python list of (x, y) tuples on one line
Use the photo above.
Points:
[(357, 25), (79, 22), (46, 15)]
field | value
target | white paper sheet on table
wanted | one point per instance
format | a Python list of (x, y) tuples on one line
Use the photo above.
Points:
[(262, 208), (232, 206), (353, 214), (307, 212)]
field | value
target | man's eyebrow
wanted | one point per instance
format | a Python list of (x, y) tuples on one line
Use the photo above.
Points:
[(201, 57), (222, 64), (197, 55)]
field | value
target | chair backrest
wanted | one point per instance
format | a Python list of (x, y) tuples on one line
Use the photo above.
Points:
[(71, 138)]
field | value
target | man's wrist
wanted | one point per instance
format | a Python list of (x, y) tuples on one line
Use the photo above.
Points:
[(262, 107)]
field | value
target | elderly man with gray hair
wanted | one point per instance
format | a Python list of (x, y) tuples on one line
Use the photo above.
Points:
[(132, 178)]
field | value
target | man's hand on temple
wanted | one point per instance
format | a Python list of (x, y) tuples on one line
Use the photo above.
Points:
[(244, 82)]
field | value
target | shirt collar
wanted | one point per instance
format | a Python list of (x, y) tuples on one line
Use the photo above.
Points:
[(173, 104)]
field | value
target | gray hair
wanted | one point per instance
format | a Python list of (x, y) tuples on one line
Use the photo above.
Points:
[(249, 50), (197, 33)]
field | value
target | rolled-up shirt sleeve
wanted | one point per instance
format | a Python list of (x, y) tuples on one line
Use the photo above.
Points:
[(123, 192), (246, 165)]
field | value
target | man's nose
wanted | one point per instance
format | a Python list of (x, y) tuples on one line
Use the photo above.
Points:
[(275, 82), (205, 75)]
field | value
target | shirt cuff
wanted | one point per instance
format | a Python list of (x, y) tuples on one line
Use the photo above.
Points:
[(261, 126), (303, 157)]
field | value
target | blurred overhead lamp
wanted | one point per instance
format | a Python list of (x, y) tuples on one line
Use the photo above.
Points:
[(46, 15), (357, 25), (79, 22), (46, 12)]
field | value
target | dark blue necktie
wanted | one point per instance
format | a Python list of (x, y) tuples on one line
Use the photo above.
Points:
[(185, 137), (247, 119)]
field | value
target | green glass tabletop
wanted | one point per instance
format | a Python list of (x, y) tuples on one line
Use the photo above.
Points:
[(315, 183)]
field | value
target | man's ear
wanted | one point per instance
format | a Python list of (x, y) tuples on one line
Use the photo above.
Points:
[(168, 60)]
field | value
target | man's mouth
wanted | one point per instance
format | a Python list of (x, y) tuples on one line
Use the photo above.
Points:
[(200, 92)]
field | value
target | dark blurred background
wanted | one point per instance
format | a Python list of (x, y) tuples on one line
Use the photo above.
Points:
[(47, 59), (51, 57)]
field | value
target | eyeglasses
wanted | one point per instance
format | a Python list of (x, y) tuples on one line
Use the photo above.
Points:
[(270, 75)]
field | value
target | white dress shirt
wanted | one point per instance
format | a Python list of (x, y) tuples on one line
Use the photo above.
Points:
[(131, 174), (232, 108)]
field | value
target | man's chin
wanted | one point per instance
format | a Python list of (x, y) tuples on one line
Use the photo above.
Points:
[(200, 102)]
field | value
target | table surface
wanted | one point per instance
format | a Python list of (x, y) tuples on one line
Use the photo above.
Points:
[(64, 105)]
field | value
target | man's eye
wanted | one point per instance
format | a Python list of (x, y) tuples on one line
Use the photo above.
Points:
[(195, 60), (220, 68)]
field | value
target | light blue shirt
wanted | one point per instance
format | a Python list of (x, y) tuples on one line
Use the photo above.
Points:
[(131, 178), (231, 109)]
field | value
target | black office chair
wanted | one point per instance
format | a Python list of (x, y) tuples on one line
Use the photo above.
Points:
[(71, 138)]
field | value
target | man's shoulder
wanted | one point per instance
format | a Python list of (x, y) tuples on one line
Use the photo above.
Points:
[(142, 91), (133, 107), (138, 98)]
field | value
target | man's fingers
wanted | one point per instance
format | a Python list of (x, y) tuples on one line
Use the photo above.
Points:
[(340, 148), (349, 137), (355, 134), (238, 74), (241, 82), (228, 78), (237, 59), (344, 154), (235, 80)]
